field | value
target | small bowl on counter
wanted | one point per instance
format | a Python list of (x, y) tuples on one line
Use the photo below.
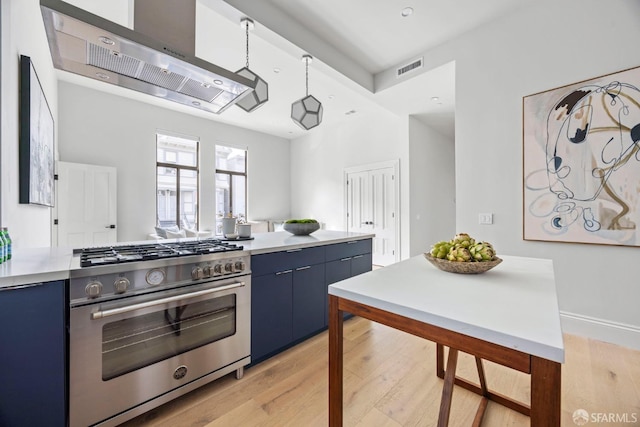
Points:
[(301, 228)]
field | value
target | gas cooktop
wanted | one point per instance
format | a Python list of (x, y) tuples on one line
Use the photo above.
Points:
[(90, 257)]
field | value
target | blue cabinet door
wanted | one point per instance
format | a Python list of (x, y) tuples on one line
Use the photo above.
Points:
[(271, 313), (361, 264), (33, 343), (309, 290)]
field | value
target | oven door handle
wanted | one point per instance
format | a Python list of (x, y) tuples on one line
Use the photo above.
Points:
[(114, 311)]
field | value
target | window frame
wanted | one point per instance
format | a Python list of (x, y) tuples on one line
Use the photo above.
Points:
[(179, 167), (231, 174)]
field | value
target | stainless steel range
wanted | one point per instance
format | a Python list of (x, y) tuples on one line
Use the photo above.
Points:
[(151, 322)]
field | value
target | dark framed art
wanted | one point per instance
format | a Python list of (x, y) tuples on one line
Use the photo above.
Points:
[(581, 162), (36, 154)]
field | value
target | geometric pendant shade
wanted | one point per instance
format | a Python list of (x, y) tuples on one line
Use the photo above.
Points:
[(260, 94), (307, 112)]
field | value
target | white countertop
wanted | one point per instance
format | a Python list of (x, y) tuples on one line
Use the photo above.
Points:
[(513, 305), (283, 240), (35, 265)]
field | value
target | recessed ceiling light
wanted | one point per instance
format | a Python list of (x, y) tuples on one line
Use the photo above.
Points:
[(276, 70), (407, 11), (103, 76), (331, 96), (218, 82), (350, 112), (196, 103), (435, 98), (106, 40)]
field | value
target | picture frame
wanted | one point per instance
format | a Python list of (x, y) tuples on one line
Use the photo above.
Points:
[(36, 141), (581, 162)]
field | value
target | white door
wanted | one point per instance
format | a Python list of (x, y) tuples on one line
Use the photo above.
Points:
[(373, 207), (86, 205)]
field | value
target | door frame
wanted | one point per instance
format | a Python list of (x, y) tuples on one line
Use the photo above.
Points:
[(395, 164)]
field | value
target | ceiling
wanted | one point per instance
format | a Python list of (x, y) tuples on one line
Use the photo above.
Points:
[(351, 42)]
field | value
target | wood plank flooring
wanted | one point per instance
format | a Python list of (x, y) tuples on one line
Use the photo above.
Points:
[(390, 381)]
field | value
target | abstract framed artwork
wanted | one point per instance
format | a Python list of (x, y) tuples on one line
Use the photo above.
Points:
[(581, 162), (36, 154)]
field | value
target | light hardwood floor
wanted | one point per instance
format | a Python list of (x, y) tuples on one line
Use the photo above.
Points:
[(390, 381)]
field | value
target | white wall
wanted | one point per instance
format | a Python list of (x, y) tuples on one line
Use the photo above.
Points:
[(319, 158), (545, 45), (431, 187), (104, 129), (29, 225)]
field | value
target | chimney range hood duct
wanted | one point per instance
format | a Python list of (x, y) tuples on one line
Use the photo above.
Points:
[(86, 44)]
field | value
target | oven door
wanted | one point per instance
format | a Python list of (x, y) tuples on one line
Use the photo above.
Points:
[(124, 353)]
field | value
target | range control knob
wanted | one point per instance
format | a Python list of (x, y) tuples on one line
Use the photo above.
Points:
[(208, 271), (93, 289), (217, 269), (121, 284), (197, 273), (240, 266), (229, 268)]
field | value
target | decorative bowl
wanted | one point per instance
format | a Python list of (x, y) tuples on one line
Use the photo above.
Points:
[(301, 228), (472, 267)]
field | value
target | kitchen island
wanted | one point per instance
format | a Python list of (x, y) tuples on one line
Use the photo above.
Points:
[(508, 315), (290, 277)]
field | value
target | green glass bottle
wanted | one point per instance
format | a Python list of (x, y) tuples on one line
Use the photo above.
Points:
[(7, 239), (3, 247)]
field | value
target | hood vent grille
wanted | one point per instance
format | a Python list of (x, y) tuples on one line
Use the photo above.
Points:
[(108, 60), (86, 44)]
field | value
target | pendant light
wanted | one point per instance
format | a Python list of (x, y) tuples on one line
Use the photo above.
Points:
[(307, 112), (260, 94)]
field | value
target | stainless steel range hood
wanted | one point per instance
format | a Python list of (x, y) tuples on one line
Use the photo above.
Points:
[(86, 44)]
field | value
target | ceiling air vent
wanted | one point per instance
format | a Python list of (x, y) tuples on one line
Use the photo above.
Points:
[(409, 67)]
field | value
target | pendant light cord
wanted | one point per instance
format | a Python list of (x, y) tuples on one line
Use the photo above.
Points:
[(247, 32), (306, 60)]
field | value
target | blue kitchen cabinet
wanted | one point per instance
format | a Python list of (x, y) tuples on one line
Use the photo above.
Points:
[(287, 299), (271, 311), (345, 260), (289, 292), (33, 346), (309, 291)]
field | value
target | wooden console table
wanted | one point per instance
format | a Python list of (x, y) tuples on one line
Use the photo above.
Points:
[(508, 315)]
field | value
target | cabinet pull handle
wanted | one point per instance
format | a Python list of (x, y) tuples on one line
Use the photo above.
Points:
[(303, 268), (358, 256), (294, 250), (353, 241), (284, 272), (345, 259)]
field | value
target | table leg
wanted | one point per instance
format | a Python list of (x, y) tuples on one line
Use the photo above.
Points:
[(545, 392), (335, 363), (447, 388)]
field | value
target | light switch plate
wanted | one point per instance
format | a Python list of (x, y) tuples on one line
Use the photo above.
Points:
[(485, 218)]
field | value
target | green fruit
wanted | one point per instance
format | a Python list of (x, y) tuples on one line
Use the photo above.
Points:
[(463, 240), (459, 254), (301, 221), (482, 251), (440, 249)]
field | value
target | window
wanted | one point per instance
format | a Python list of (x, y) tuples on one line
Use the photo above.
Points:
[(231, 184), (177, 181)]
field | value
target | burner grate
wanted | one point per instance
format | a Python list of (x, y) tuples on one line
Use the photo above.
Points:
[(90, 257)]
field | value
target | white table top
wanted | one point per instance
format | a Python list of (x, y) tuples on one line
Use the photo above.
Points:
[(513, 305)]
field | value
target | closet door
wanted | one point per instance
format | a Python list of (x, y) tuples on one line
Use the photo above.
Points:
[(372, 207)]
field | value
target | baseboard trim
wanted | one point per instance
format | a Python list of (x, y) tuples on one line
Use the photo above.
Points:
[(600, 329)]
